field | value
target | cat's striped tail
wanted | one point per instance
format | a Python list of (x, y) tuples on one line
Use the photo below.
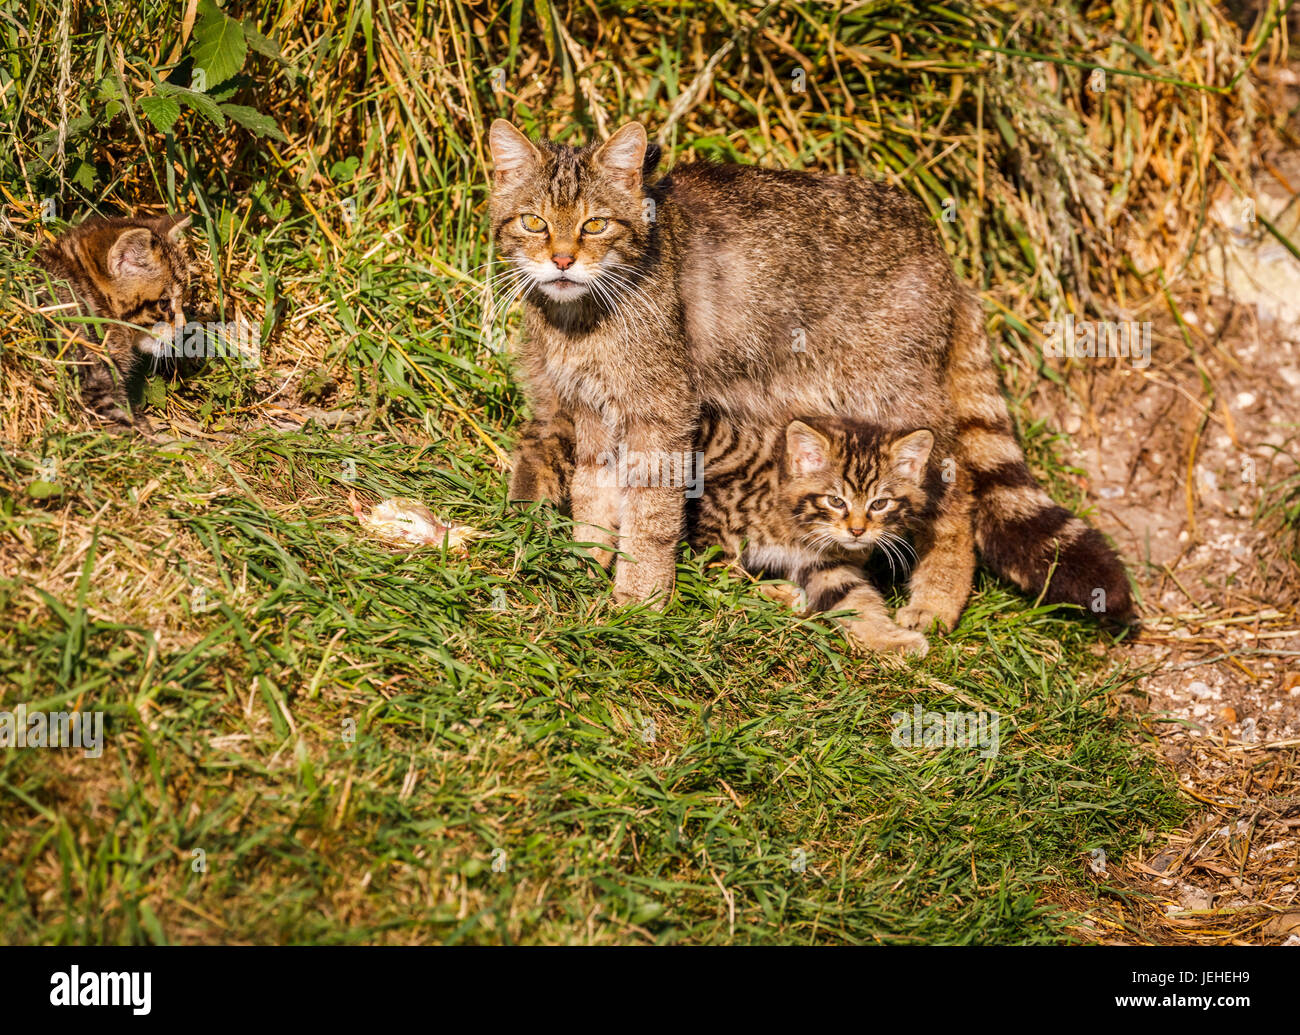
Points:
[(1022, 534)]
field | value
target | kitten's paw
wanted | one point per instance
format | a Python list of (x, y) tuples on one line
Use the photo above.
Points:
[(923, 617), (887, 638), (783, 593), (541, 468), (905, 642), (533, 483)]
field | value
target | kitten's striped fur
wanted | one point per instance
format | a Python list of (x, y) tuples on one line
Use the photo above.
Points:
[(131, 270), (810, 501)]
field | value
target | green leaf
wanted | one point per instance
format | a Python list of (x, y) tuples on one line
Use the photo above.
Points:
[(341, 172), (219, 45), (44, 490), (155, 392), (161, 111), (82, 173), (200, 102), (264, 46), (253, 120)]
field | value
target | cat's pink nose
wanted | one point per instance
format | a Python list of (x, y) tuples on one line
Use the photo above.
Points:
[(856, 531), (563, 261)]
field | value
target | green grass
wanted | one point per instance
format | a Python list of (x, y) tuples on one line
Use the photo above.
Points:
[(646, 775)]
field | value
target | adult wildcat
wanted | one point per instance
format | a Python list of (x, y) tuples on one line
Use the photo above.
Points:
[(132, 271), (758, 293)]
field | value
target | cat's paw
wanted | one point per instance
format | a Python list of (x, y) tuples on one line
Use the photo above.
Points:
[(641, 584), (783, 593), (601, 548), (924, 617), (541, 467), (655, 603), (888, 638), (904, 642), (532, 482)]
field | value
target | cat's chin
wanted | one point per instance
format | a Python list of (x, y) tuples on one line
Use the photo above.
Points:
[(156, 345), (564, 290)]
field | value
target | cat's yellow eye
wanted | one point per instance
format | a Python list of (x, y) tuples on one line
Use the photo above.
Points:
[(595, 226), (533, 224), (835, 503), (881, 505)]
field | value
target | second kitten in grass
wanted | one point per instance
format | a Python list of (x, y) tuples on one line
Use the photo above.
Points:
[(131, 273), (810, 501)]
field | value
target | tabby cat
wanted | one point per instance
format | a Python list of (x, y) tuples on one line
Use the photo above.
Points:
[(809, 502), (133, 271), (758, 293)]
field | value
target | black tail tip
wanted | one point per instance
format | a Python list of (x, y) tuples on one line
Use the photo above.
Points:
[(1089, 574)]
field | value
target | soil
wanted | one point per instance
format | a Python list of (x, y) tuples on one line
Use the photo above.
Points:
[(1177, 459)]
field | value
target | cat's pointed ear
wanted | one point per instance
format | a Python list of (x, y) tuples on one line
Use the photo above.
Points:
[(910, 453), (174, 226), (513, 154), (806, 449), (133, 254), (623, 156)]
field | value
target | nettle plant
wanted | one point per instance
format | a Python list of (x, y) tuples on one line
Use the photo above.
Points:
[(78, 100), (218, 49)]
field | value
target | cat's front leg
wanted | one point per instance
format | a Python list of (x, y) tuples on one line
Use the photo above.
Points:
[(657, 462), (941, 583), (843, 587), (541, 466), (104, 388), (596, 493)]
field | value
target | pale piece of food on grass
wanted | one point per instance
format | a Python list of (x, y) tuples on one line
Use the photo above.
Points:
[(409, 523)]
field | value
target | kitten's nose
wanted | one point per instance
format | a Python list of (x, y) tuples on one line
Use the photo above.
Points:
[(856, 531), (563, 261)]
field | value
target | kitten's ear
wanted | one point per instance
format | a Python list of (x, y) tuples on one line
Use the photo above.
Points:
[(513, 154), (910, 453), (806, 449), (133, 254), (174, 226), (623, 156)]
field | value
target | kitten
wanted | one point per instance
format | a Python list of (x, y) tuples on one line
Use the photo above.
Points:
[(809, 502), (130, 270), (759, 293)]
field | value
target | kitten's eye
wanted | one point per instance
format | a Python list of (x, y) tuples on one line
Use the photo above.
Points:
[(835, 503), (881, 505), (595, 226), (533, 224)]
